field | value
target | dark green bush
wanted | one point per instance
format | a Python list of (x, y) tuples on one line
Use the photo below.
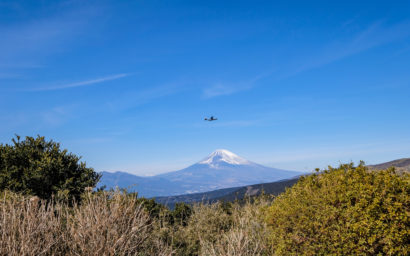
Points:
[(181, 213), (38, 167)]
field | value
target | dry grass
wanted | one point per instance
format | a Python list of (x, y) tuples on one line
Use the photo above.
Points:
[(110, 225), (117, 224), (104, 224), (246, 236), (217, 230), (28, 226)]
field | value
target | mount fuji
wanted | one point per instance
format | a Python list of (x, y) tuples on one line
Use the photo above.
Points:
[(221, 169)]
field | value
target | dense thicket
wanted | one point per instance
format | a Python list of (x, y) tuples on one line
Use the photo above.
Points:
[(343, 211), (38, 167)]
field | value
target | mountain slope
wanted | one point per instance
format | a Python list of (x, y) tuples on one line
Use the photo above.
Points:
[(402, 165), (221, 169), (230, 194), (224, 169), (145, 186)]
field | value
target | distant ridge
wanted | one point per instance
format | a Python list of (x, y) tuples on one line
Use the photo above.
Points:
[(221, 169), (229, 194), (401, 164)]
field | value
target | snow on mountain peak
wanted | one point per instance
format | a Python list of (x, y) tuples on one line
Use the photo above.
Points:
[(223, 155)]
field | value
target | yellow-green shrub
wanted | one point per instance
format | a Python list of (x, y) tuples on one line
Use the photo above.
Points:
[(343, 211)]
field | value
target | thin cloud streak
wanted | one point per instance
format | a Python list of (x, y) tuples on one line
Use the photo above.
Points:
[(221, 89), (373, 36), (32, 40), (131, 99), (80, 84)]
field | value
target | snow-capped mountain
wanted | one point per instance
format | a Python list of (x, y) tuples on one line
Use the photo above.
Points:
[(221, 169), (223, 156)]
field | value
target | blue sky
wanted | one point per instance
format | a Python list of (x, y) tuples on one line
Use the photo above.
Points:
[(126, 84)]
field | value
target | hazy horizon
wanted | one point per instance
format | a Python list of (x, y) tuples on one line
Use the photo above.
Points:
[(304, 164)]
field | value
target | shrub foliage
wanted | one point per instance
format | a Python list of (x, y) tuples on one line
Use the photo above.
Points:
[(38, 167), (343, 211)]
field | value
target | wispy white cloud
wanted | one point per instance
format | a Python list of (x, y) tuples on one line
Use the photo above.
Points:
[(26, 43), (375, 35), (135, 98), (350, 21), (36, 119), (80, 84), (221, 89), (56, 116)]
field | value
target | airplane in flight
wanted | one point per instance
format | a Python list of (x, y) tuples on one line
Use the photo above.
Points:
[(212, 118)]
